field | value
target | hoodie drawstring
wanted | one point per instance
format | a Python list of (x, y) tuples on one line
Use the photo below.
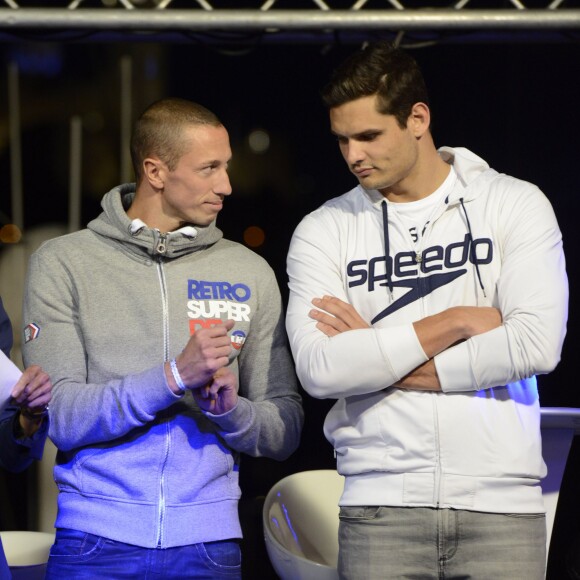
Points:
[(471, 247), (387, 245)]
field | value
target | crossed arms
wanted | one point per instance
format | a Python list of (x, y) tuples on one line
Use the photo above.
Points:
[(435, 333), (462, 347)]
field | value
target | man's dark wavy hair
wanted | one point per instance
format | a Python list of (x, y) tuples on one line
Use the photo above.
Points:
[(378, 69)]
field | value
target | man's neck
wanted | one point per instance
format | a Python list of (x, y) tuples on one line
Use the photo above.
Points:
[(145, 208), (429, 173)]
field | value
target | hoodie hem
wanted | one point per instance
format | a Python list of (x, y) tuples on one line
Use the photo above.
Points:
[(467, 492), (182, 524)]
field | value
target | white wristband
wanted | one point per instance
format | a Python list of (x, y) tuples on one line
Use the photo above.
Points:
[(177, 376)]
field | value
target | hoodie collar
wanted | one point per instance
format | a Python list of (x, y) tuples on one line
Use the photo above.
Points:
[(473, 173), (142, 241)]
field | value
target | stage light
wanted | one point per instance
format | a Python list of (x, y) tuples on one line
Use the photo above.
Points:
[(10, 234), (259, 141), (254, 236)]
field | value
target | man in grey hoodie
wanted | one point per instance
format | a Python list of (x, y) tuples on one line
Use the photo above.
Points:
[(168, 355)]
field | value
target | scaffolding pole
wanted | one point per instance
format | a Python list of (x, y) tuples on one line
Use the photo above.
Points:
[(142, 20)]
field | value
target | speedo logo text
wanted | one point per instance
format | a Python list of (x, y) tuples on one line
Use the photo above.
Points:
[(405, 264), (435, 267)]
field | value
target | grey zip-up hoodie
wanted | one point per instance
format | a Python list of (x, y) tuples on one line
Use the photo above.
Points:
[(104, 308)]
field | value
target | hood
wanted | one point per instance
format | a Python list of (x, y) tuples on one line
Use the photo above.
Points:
[(472, 171), (143, 242)]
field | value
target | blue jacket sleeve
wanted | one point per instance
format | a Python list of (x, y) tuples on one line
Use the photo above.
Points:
[(5, 331), (17, 454)]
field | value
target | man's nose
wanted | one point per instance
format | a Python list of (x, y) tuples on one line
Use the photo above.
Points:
[(353, 153), (223, 186)]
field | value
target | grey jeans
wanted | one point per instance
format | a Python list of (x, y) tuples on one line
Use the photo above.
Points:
[(379, 543)]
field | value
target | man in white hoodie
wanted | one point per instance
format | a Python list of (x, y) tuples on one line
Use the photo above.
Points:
[(425, 300)]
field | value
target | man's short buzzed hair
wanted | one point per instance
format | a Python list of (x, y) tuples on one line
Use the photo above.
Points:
[(159, 131)]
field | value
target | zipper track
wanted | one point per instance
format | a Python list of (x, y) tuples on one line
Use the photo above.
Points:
[(160, 248), (437, 212)]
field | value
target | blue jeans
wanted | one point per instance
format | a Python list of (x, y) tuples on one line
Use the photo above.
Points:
[(4, 570), (80, 556), (390, 542)]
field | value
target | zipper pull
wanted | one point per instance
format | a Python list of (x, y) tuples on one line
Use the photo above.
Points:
[(418, 257), (161, 245)]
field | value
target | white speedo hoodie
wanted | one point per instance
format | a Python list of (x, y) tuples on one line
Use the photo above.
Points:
[(494, 241)]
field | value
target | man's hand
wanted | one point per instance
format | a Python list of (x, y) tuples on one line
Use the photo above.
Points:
[(438, 332), (33, 390), (220, 395), (334, 316), (423, 378), (205, 353), (32, 393)]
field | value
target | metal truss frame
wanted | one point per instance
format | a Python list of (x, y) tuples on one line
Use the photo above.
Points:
[(128, 18)]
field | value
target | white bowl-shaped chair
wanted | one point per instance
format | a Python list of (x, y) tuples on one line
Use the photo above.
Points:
[(559, 425), (27, 553), (300, 513), (301, 525)]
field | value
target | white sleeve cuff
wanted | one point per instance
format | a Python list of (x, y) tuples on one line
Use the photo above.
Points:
[(401, 349), (454, 369)]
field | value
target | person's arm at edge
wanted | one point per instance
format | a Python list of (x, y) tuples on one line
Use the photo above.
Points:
[(19, 449)]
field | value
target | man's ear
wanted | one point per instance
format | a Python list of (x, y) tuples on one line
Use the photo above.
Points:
[(154, 172), (419, 119)]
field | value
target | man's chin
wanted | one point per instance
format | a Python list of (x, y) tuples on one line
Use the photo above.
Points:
[(205, 221), (369, 183)]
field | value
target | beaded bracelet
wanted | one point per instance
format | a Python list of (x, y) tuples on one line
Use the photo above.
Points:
[(177, 376)]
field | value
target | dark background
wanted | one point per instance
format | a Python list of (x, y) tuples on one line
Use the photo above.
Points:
[(514, 101)]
